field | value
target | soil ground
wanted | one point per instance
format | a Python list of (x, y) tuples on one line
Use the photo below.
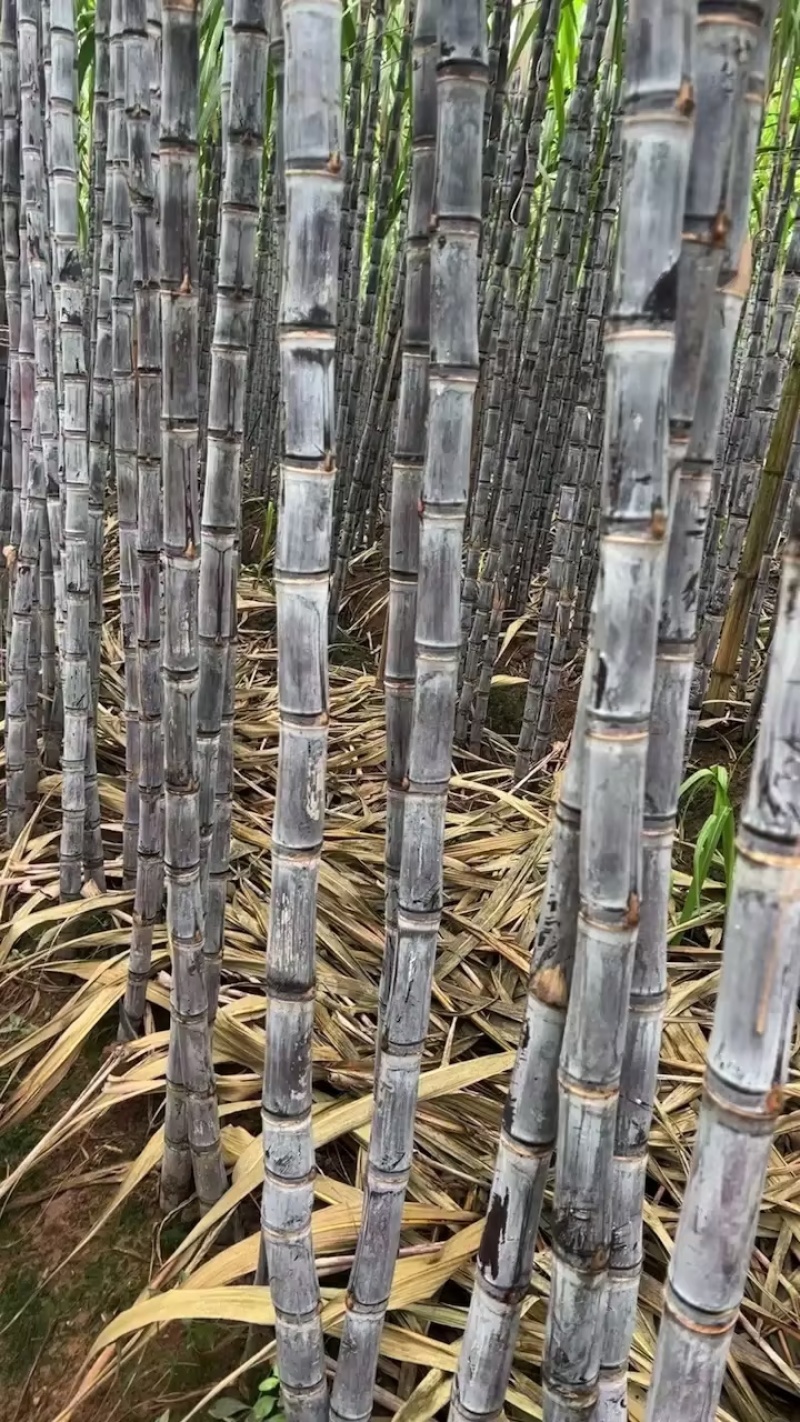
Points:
[(49, 1320)]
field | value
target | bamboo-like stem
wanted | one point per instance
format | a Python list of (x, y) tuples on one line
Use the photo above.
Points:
[(101, 420), (461, 94), (76, 681), (748, 1055), (6, 482), (102, 16), (36, 388), (222, 491), (49, 397), (20, 724), (124, 428), (191, 1088), (729, 66), (149, 865), (407, 466), (640, 340), (9, 77), (505, 1257), (307, 335)]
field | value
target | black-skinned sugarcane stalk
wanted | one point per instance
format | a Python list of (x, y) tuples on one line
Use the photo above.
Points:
[(408, 462), (75, 677), (9, 73), (44, 280), (147, 304), (25, 572), (639, 347), (528, 1132), (102, 17), (101, 412), (236, 273), (307, 339), (505, 1257), (191, 1089), (124, 428), (748, 1056), (729, 82), (40, 410), (461, 91)]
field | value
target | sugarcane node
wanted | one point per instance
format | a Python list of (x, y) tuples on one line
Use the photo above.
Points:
[(632, 915), (549, 986), (684, 102), (658, 523), (720, 228), (775, 1098)]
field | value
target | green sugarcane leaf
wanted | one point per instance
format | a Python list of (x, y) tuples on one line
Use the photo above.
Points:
[(729, 850), (264, 1408), (523, 39), (223, 1408)]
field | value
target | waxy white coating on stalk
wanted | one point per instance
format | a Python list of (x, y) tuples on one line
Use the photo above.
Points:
[(726, 58), (407, 468), (101, 398), (9, 78), (36, 385), (639, 348), (505, 1258), (44, 287), (124, 428), (76, 680), (307, 337), (102, 17), (748, 1055), (147, 302), (222, 491), (191, 1089), (461, 89)]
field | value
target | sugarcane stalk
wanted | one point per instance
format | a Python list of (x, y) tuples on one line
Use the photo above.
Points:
[(76, 681), (748, 1056), (191, 1089), (461, 92), (639, 347), (222, 491), (146, 299), (407, 466), (730, 75), (307, 336)]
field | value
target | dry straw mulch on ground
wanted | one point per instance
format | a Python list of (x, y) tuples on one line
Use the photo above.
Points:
[(496, 858)]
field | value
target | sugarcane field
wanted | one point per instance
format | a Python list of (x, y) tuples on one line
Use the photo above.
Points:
[(400, 676)]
